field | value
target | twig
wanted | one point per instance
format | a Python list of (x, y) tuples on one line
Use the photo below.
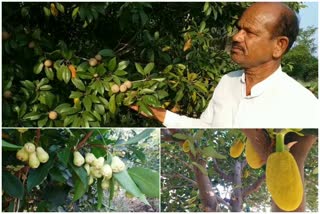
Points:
[(84, 140), (38, 135), (253, 187), (224, 175), (176, 158)]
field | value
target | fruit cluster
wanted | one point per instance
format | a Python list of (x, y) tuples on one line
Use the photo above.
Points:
[(34, 155), (122, 88), (97, 168)]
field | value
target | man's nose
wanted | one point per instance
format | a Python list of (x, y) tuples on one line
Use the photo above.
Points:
[(239, 36)]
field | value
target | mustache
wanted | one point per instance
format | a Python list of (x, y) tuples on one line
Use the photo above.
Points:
[(237, 45)]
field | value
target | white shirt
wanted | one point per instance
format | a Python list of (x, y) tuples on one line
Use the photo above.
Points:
[(279, 101)]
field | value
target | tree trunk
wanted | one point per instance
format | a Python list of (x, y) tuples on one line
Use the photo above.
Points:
[(236, 198), (207, 196)]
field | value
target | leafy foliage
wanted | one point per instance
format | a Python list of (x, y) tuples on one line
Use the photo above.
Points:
[(173, 53), (61, 186)]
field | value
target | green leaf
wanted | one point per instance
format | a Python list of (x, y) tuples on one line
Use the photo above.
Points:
[(64, 156), (32, 116), (61, 107), (38, 68), (60, 7), (106, 52), (123, 65), (211, 152), (145, 109), (49, 73), (12, 185), (81, 173), (75, 12), (46, 11), (120, 73), (144, 134), (76, 94), (78, 83), (9, 146), (112, 104), (180, 136), (201, 168), (128, 184), (148, 68), (147, 180), (45, 88), (42, 122), (87, 103), (151, 100), (37, 176), (139, 68), (66, 75), (100, 194), (112, 64), (79, 189)]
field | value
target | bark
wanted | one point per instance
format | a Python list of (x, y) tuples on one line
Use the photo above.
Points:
[(236, 198), (222, 174)]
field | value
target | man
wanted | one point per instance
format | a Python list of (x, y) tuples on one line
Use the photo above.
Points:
[(260, 95)]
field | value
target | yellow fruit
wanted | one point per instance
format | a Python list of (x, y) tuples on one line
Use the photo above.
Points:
[(98, 57), (22, 155), (87, 168), (7, 94), (253, 158), (236, 149), (29, 147), (5, 35), (117, 164), (48, 63), (283, 180), (128, 84), (76, 101), (98, 163), (73, 70), (187, 45), (42, 155), (93, 62), (106, 171), (33, 161), (96, 173), (90, 158), (54, 10), (186, 146), (115, 89), (123, 88), (91, 180), (31, 44), (53, 115), (96, 75), (105, 184), (78, 159)]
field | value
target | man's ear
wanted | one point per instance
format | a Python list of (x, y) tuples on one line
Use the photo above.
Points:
[(281, 44)]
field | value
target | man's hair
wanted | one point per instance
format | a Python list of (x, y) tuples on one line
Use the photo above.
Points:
[(288, 25)]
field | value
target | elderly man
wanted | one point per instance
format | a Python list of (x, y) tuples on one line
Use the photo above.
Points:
[(260, 95)]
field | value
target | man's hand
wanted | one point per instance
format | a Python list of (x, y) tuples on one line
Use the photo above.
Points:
[(158, 113)]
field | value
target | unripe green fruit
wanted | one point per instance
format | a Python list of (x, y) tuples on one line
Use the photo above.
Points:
[(98, 163), (128, 84), (34, 161), (90, 158), (115, 88), (105, 184), (90, 180), (29, 147), (42, 155), (22, 155), (96, 173), (106, 171), (123, 88), (117, 164), (78, 159), (87, 168)]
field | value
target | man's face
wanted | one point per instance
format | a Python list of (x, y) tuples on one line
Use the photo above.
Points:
[(253, 44)]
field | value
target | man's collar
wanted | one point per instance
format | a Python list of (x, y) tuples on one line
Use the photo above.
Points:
[(260, 87)]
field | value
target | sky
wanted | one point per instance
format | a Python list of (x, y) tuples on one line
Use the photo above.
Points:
[(309, 16)]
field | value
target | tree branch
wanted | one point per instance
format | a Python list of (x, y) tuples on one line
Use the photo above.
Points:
[(37, 140), (178, 175), (178, 159), (84, 140), (253, 187), (224, 175), (221, 201)]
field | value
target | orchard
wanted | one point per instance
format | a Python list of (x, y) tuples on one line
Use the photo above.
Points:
[(80, 170), (84, 64)]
